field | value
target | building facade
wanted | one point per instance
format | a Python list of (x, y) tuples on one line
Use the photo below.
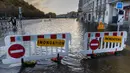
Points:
[(104, 10)]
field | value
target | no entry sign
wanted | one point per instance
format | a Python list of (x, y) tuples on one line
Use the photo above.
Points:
[(94, 44), (16, 51)]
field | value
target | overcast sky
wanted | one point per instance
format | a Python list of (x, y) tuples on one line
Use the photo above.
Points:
[(57, 6)]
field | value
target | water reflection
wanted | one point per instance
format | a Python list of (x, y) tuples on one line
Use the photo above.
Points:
[(59, 26)]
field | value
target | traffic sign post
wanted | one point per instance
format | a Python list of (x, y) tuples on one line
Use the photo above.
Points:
[(119, 6), (20, 19), (16, 51)]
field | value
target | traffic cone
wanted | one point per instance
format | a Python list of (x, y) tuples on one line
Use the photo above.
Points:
[(100, 27)]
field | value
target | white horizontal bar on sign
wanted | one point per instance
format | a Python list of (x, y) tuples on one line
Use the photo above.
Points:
[(94, 44), (16, 51)]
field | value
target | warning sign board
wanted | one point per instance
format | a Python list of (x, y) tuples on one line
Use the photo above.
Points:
[(117, 39), (50, 42), (16, 51)]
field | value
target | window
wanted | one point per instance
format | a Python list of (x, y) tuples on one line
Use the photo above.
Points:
[(89, 17)]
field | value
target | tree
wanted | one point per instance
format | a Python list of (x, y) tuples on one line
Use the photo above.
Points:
[(50, 14), (10, 8)]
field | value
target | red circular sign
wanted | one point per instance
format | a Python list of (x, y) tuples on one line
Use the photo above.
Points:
[(94, 44), (16, 51)]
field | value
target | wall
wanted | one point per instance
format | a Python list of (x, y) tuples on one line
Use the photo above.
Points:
[(108, 14), (88, 8), (115, 11), (126, 3), (95, 3)]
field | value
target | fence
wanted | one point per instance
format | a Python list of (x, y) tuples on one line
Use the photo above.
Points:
[(102, 42), (35, 47)]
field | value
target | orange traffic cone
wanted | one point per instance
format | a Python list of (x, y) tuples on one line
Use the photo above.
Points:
[(100, 27)]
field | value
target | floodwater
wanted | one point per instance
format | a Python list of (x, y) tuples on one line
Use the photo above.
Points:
[(60, 26), (74, 63)]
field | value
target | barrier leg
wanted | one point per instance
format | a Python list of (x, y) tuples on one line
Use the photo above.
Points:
[(93, 55), (117, 53), (26, 65), (58, 61), (22, 66)]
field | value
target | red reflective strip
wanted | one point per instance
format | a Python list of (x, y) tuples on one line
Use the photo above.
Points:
[(12, 39), (53, 36), (121, 33), (115, 34), (97, 35), (88, 34), (40, 36), (111, 52), (26, 38), (106, 33), (63, 36)]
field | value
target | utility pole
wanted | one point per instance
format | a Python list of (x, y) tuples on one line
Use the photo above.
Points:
[(20, 20)]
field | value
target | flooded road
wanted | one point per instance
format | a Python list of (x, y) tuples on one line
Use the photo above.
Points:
[(74, 63), (60, 26)]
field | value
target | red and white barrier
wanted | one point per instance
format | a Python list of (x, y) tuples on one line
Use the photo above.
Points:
[(25, 46), (94, 42)]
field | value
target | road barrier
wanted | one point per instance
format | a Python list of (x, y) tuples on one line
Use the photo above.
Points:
[(35, 47), (102, 42)]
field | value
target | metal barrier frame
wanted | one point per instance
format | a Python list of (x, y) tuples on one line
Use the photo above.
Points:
[(104, 46), (18, 39)]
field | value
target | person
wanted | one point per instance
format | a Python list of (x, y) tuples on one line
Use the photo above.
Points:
[(13, 21)]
